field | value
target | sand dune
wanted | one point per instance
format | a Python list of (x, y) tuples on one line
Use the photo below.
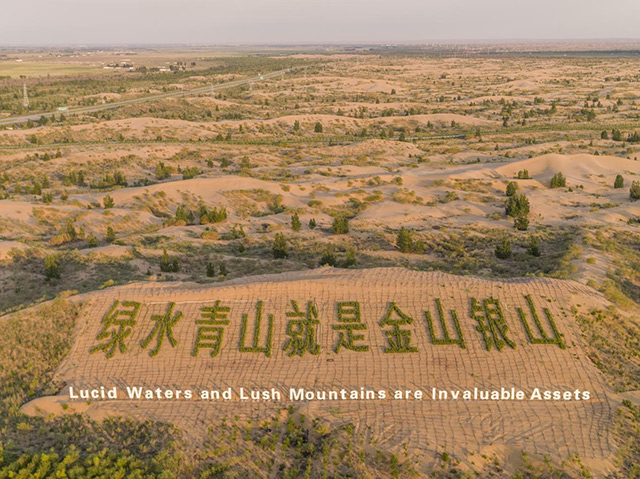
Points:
[(574, 166)]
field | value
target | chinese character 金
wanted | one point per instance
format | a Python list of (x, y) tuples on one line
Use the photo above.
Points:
[(398, 339)]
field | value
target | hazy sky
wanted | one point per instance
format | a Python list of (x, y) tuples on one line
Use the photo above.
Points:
[(271, 21)]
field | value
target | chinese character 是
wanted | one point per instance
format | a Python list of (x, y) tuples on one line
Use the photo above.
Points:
[(349, 321)]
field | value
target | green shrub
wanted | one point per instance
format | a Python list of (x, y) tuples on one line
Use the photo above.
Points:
[(534, 246), (296, 225), (512, 188), (52, 267), (168, 265), (108, 202), (340, 225), (558, 181), (280, 248), (92, 241), (521, 223), (111, 235), (619, 182), (517, 205), (404, 240), (503, 250)]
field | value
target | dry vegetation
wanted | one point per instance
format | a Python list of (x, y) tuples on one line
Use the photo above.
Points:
[(494, 164)]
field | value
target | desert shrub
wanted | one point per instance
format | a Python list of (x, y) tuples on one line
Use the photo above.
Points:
[(184, 216), (190, 172), (619, 182), (296, 225), (328, 257), (404, 240), (521, 223), (503, 250), (211, 270), (162, 171), (108, 202), (312, 223), (340, 225), (280, 247), (167, 264), (512, 188), (214, 215), (110, 237), (616, 135), (558, 181), (534, 246), (318, 127), (350, 257), (523, 175), (517, 205), (92, 240), (634, 191), (52, 267)]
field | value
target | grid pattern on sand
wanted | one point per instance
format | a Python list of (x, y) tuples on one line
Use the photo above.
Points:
[(554, 428)]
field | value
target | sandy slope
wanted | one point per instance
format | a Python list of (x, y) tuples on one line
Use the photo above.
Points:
[(555, 428)]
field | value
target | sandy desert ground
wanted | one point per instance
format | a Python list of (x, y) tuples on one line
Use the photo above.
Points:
[(412, 176)]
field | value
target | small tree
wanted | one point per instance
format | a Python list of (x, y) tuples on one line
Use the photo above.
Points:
[(340, 225), (512, 188), (350, 259), (312, 223), (619, 183), (280, 246), (328, 257), (108, 202), (517, 205), (318, 127), (296, 225), (521, 223), (162, 172), (168, 265), (111, 235), (51, 267), (534, 247), (616, 135), (92, 241), (211, 270), (558, 181), (634, 191), (404, 240), (503, 250), (523, 175), (296, 126)]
